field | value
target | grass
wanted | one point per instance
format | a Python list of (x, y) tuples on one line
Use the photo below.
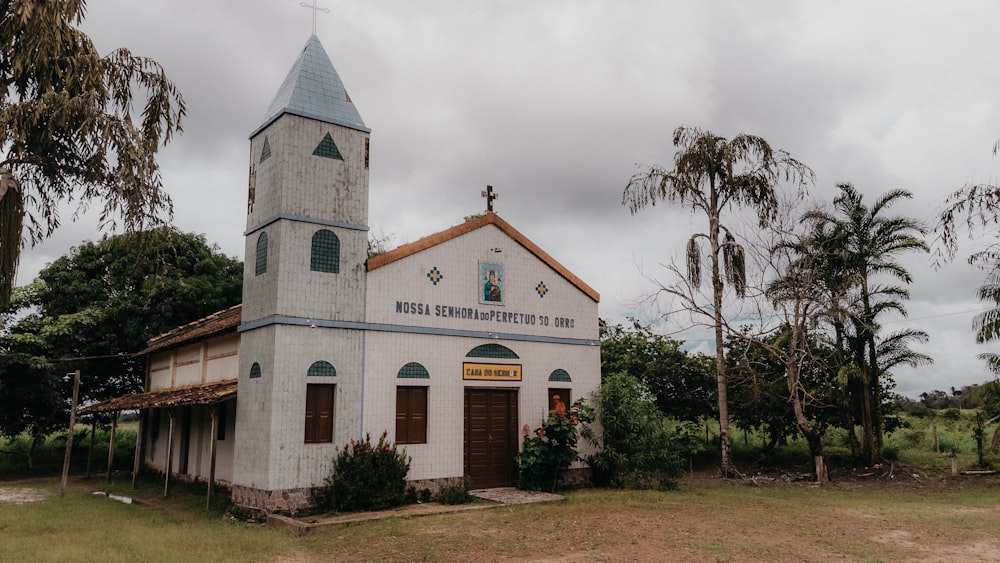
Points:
[(938, 518), (708, 519)]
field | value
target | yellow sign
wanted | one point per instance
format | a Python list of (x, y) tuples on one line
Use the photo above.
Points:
[(491, 372)]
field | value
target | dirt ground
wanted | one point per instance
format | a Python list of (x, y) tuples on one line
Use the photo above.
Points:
[(886, 514)]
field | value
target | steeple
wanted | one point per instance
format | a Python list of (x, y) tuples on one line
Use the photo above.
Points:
[(313, 89)]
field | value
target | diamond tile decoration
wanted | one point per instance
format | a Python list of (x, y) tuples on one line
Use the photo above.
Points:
[(435, 275), (541, 289)]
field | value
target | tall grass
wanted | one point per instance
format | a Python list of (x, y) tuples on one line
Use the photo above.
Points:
[(912, 444), (48, 455)]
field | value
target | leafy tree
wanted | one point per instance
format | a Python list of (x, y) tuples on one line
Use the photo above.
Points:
[(868, 243), (67, 127), (637, 447), (95, 307), (684, 385), (712, 174)]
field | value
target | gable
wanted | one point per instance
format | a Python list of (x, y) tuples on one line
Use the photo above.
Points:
[(490, 218)]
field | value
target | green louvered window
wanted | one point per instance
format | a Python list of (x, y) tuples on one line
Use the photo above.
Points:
[(260, 266), (325, 255), (413, 370), (255, 371), (491, 351), (321, 368), (327, 149), (559, 375)]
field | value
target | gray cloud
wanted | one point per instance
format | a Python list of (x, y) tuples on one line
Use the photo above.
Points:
[(555, 104)]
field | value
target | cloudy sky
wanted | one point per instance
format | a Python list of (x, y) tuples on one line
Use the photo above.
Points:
[(556, 103)]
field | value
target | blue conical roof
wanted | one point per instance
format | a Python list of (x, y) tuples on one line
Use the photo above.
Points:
[(313, 89)]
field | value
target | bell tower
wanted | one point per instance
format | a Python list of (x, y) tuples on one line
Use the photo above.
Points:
[(303, 286)]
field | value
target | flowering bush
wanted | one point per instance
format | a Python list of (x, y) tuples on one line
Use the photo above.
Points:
[(365, 476), (548, 452)]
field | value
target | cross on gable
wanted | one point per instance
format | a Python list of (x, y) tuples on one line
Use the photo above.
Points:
[(490, 195), (315, 8)]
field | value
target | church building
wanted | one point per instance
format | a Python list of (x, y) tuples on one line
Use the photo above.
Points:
[(450, 344)]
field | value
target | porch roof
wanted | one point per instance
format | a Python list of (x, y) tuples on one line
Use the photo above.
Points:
[(200, 394)]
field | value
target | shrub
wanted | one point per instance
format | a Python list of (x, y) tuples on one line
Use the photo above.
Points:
[(639, 447), (454, 494), (546, 455), (365, 476), (951, 414)]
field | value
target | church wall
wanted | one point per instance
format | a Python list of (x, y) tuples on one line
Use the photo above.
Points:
[(321, 295), (538, 301), (289, 462), (443, 357), (454, 318), (187, 365), (253, 400), (161, 374)]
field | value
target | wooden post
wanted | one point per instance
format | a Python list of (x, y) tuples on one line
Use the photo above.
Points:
[(138, 447), (212, 447), (69, 437), (170, 453), (954, 464), (90, 448), (111, 443)]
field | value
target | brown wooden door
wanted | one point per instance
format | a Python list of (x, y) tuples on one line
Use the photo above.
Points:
[(490, 437)]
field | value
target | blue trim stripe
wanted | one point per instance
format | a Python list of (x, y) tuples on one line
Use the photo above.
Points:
[(304, 219), (379, 327)]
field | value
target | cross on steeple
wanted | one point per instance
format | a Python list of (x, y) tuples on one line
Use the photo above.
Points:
[(315, 8), (490, 196)]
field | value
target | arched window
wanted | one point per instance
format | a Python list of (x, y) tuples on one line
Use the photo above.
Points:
[(321, 368), (325, 252), (413, 370), (261, 258), (559, 375), (492, 351), (255, 371)]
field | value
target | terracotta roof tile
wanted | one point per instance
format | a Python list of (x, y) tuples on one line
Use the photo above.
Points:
[(201, 394), (217, 323)]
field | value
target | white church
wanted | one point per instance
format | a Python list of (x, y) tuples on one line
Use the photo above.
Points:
[(450, 344)]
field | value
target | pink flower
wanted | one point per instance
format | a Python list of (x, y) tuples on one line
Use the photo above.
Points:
[(525, 429), (540, 432)]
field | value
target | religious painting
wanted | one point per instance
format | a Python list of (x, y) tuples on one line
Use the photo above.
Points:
[(491, 280)]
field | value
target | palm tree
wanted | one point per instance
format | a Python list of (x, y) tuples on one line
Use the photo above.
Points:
[(712, 173), (870, 242), (987, 323)]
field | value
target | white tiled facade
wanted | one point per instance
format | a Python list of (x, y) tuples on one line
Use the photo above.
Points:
[(423, 303)]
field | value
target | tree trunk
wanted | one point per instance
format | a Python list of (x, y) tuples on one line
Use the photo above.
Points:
[(727, 468), (811, 432)]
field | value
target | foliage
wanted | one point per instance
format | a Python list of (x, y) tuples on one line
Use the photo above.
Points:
[(861, 244), (365, 476), (68, 127), (95, 307), (455, 494), (711, 174), (547, 453), (638, 447), (684, 385)]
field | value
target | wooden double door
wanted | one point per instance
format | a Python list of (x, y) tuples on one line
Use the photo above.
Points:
[(491, 437)]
